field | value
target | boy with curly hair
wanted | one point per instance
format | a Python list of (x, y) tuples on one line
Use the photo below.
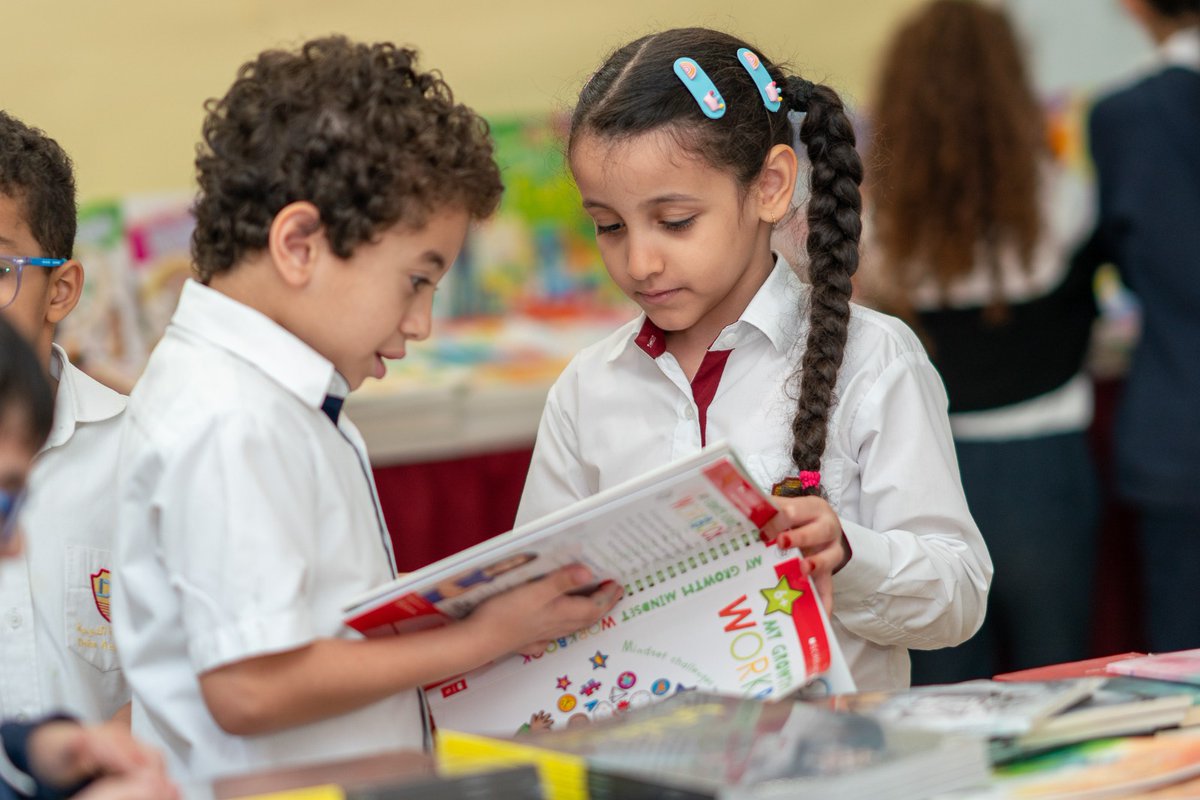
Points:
[(336, 186)]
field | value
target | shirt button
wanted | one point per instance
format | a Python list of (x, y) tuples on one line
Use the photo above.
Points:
[(689, 413), (14, 619)]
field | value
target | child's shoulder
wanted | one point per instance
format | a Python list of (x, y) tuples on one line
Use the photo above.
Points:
[(191, 392), (876, 340), (881, 329)]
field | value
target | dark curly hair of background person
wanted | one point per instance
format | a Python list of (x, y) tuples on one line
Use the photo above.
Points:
[(354, 129)]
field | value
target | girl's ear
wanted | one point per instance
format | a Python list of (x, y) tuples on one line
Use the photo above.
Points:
[(66, 287), (296, 242), (776, 182)]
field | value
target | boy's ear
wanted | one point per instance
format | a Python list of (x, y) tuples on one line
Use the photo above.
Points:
[(66, 287), (296, 242), (776, 182)]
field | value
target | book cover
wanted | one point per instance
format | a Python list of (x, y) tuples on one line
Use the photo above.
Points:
[(742, 748), (1181, 666), (747, 623), (644, 533)]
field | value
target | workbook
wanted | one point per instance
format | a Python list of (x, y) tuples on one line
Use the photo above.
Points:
[(708, 604)]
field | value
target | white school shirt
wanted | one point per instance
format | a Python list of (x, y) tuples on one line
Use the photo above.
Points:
[(247, 520), (55, 616), (920, 571)]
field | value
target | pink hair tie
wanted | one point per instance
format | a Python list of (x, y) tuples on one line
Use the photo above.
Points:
[(807, 479)]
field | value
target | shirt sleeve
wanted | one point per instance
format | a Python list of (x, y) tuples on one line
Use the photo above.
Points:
[(557, 476), (920, 571), (238, 530)]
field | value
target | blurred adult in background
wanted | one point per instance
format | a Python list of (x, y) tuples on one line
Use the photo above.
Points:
[(1145, 141), (974, 231)]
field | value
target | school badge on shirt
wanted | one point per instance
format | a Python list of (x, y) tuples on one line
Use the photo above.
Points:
[(102, 592)]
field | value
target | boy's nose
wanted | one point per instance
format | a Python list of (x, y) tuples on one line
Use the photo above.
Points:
[(417, 323)]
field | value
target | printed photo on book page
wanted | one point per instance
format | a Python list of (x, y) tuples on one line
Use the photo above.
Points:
[(643, 533)]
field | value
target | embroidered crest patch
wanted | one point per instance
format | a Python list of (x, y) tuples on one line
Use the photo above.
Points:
[(102, 592)]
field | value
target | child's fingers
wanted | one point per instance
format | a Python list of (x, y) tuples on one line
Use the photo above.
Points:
[(534, 648), (607, 596), (796, 511), (113, 750), (141, 785), (565, 579), (811, 537)]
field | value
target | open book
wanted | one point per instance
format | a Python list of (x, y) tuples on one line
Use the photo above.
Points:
[(708, 604)]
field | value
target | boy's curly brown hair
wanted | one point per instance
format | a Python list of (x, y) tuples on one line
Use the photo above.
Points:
[(354, 129)]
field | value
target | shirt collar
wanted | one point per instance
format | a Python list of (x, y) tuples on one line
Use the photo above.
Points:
[(78, 399), (1182, 48), (255, 338), (773, 312)]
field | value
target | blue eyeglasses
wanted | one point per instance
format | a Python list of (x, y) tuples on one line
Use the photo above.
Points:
[(10, 509), (11, 268)]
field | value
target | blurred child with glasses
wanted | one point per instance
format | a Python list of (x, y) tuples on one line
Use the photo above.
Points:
[(56, 593), (56, 756)]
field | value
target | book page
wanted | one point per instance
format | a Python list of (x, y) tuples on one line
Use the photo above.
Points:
[(746, 623)]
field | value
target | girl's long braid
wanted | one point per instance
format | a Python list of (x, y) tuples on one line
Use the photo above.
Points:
[(835, 226)]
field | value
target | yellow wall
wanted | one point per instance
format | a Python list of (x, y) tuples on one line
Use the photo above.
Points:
[(120, 84)]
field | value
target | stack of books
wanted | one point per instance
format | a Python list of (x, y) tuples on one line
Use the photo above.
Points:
[(698, 745)]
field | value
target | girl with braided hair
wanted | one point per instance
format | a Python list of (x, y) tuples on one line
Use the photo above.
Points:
[(681, 146)]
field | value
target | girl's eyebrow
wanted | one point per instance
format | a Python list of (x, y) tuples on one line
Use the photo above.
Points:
[(674, 197), (661, 199)]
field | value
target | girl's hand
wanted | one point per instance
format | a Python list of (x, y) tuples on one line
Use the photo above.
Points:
[(526, 619), (810, 524)]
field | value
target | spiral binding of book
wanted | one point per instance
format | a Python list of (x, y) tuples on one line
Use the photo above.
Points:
[(696, 559)]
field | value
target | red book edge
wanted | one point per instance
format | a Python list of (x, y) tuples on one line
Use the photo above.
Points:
[(745, 497), (1070, 669), (407, 612)]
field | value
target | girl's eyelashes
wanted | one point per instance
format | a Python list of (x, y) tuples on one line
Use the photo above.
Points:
[(669, 224), (419, 281), (678, 224)]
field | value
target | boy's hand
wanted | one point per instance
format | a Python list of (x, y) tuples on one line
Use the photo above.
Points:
[(64, 753), (810, 524), (526, 619)]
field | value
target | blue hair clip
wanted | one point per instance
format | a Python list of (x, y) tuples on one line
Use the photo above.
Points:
[(771, 95), (701, 87)]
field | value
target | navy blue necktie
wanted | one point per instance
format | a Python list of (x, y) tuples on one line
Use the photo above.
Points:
[(332, 407)]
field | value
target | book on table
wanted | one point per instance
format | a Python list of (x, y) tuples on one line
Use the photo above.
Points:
[(701, 745), (992, 709), (708, 603), (1088, 667), (1180, 666)]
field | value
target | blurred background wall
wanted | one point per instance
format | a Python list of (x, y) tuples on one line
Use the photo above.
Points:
[(121, 84)]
